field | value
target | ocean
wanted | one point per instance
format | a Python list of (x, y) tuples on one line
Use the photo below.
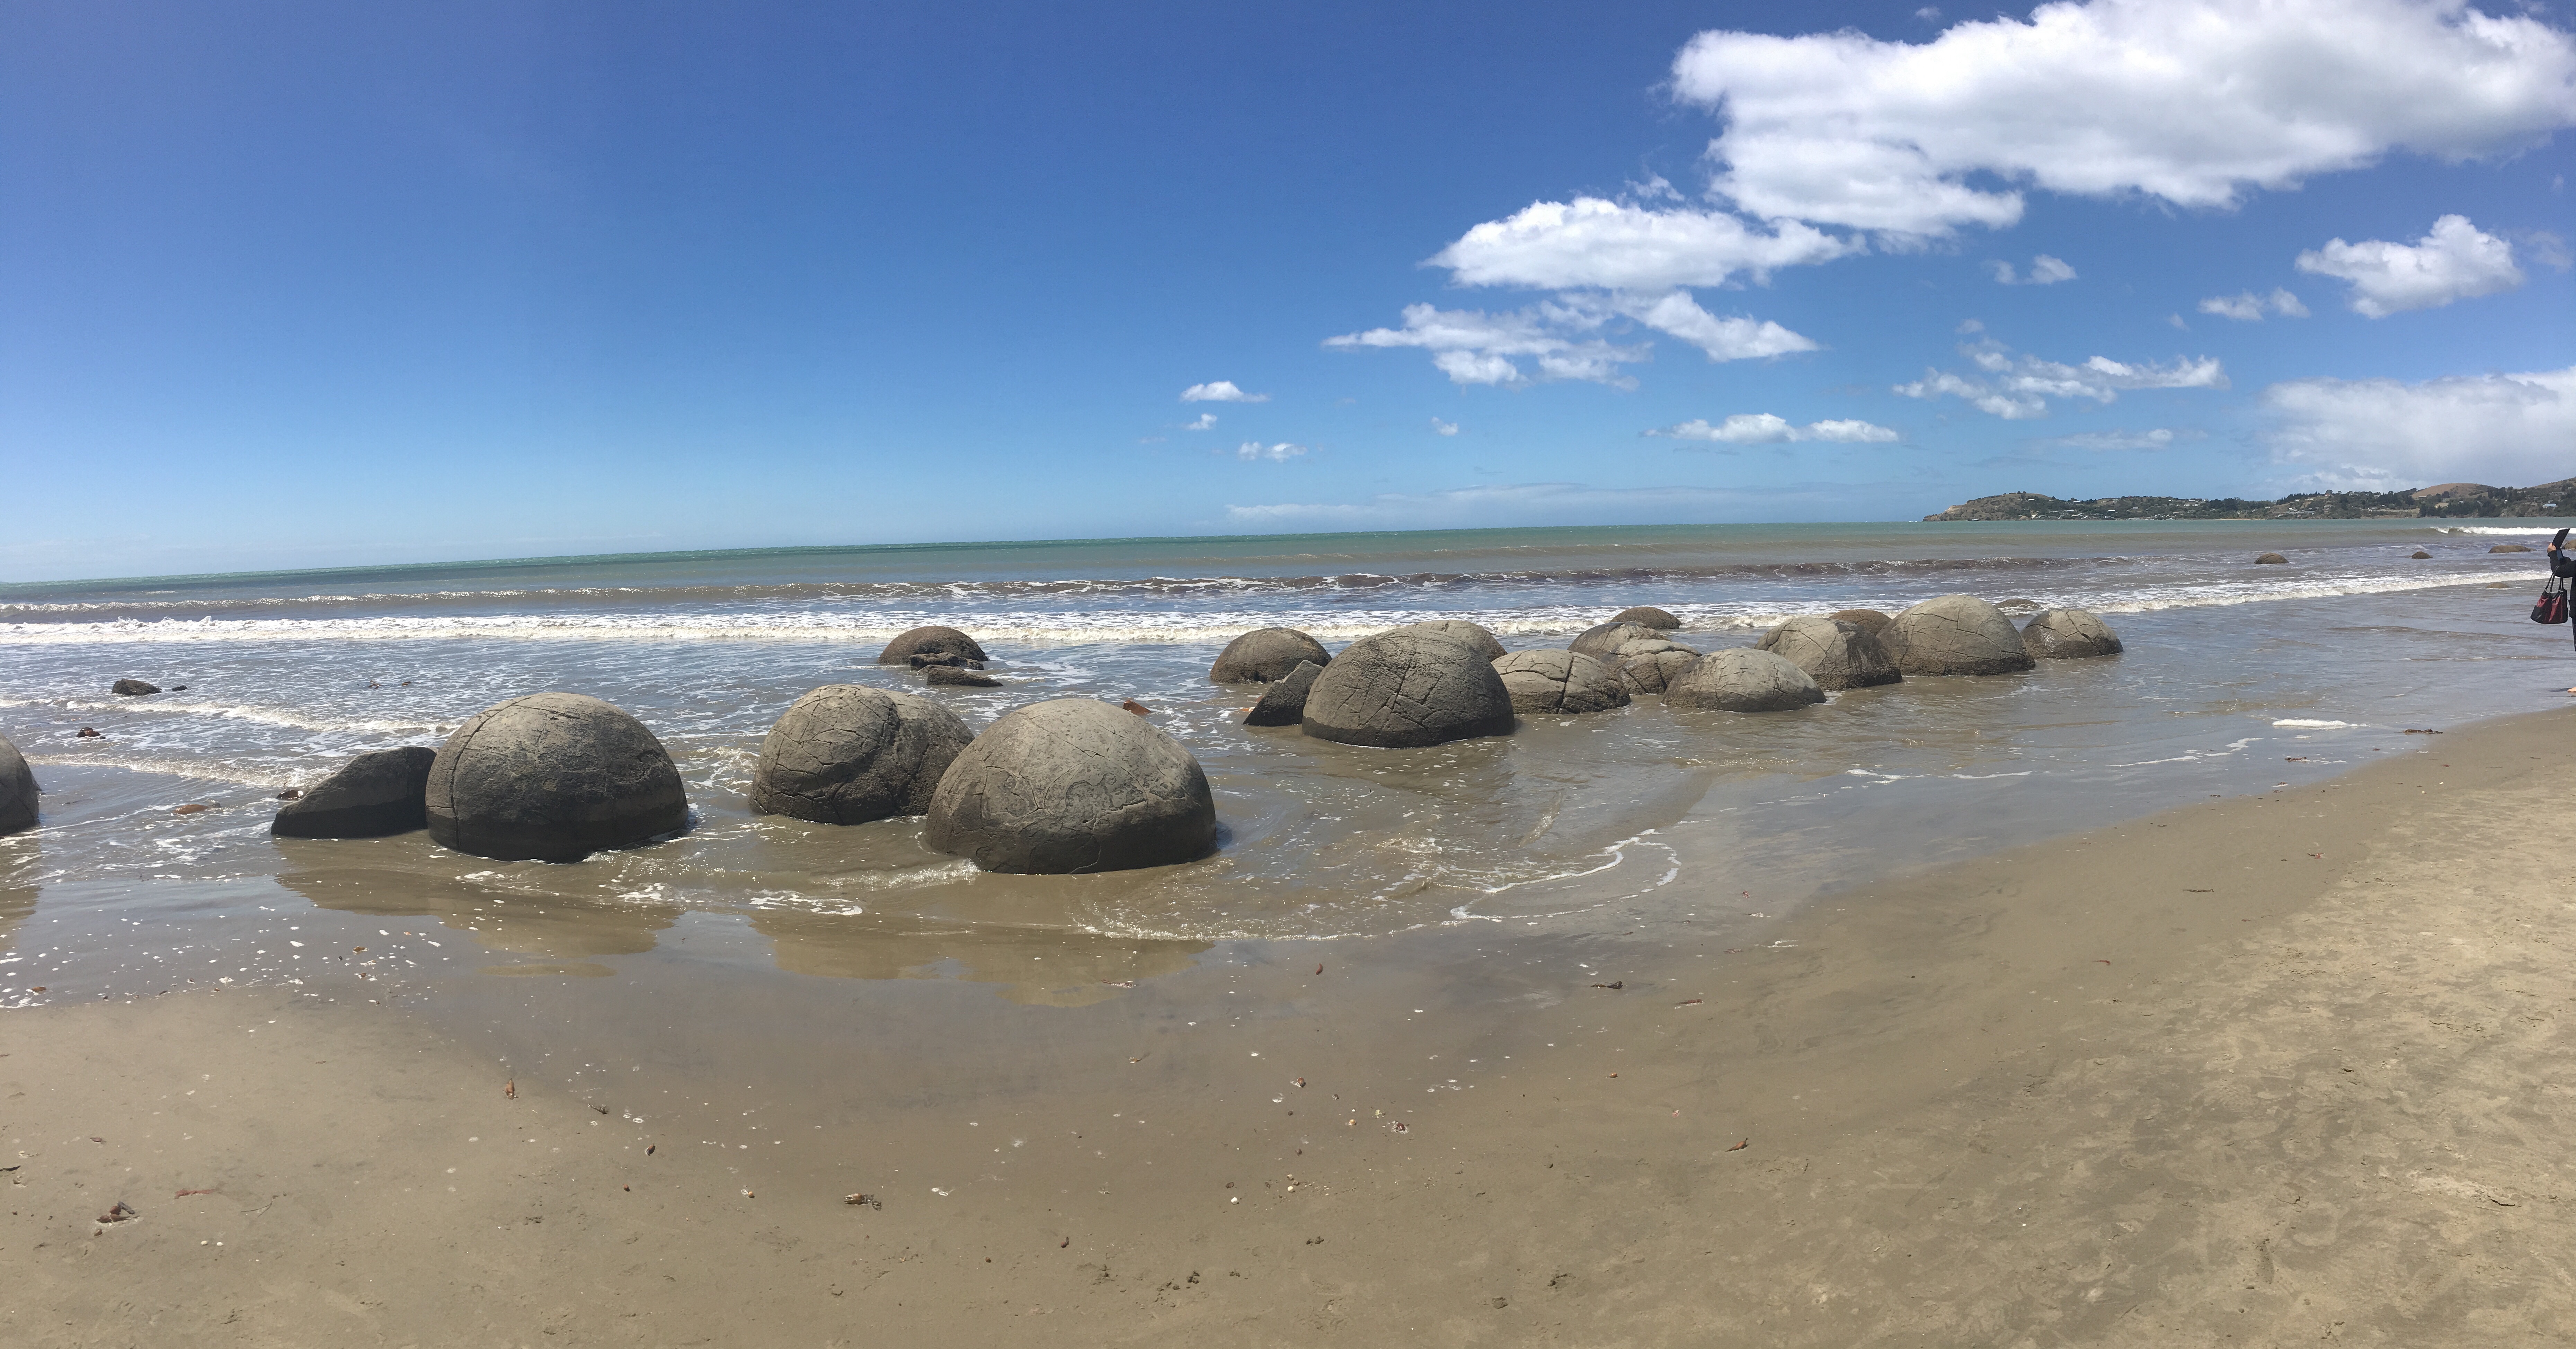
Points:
[(2238, 677)]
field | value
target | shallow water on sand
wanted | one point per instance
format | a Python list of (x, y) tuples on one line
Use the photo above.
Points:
[(2236, 678)]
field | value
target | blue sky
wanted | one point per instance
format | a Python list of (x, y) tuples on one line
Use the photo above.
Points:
[(292, 285)]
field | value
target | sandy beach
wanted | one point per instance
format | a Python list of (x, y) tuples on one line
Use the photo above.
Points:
[(2269, 1069)]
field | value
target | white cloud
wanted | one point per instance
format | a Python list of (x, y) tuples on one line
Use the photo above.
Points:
[(2104, 441), (2190, 101), (2017, 388), (1252, 450), (2044, 271), (1724, 339), (1612, 245), (1441, 428), (1762, 428), (1220, 391), (1563, 338), (1206, 421), (2248, 307), (2457, 261), (2384, 433)]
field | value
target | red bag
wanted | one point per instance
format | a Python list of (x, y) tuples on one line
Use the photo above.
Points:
[(2552, 604)]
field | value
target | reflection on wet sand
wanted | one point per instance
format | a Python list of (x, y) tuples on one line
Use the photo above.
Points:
[(16, 903), (1040, 966), (557, 924)]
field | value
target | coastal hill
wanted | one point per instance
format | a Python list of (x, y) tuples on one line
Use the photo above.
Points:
[(2469, 500)]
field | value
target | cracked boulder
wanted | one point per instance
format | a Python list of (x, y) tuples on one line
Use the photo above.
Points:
[(1651, 664), (2068, 634), (1411, 686), (847, 755), (1266, 655), (1560, 682), (1647, 616), (933, 640), (1072, 785), (380, 792), (1469, 635), (1835, 654), (1743, 680), (1284, 702), (1602, 643), (17, 790), (1869, 620), (1955, 635), (554, 777)]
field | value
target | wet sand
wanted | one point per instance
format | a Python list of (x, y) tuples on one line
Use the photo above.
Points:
[(2261, 1070)]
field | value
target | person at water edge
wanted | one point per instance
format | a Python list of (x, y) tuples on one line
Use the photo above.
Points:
[(2560, 564)]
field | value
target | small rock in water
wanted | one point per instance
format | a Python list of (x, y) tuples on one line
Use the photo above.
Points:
[(89, 733), (923, 660), (2271, 559), (132, 688), (192, 808), (950, 676), (290, 794), (2509, 548), (2419, 555), (1138, 708)]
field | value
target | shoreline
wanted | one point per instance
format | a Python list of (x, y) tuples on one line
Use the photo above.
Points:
[(2277, 1112)]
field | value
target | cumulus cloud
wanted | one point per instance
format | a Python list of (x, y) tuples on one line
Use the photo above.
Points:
[(2189, 101), (2385, 433), (1612, 245), (2457, 261), (2016, 387), (1762, 428), (1220, 391), (1564, 338), (2044, 271), (1253, 450), (2248, 307), (1441, 428), (1206, 421)]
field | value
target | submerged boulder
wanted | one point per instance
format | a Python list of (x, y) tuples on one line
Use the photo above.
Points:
[(17, 790), (1284, 702), (2271, 560), (1651, 664), (1469, 635), (847, 755), (1264, 655), (1551, 681), (552, 776), (932, 640), (1602, 642), (1870, 621), (958, 676), (1835, 654), (1072, 785), (2509, 548), (1647, 616), (2419, 555), (1411, 686), (1743, 680), (923, 660), (1955, 635), (2068, 634), (380, 792), (132, 688)]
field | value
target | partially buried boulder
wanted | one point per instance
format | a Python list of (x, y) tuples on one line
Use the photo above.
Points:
[(2271, 560), (1469, 635), (1407, 687), (958, 677), (1835, 654), (2419, 555), (2509, 548), (1603, 642), (1647, 616), (923, 660), (380, 792), (1560, 682), (934, 639), (552, 776), (1955, 635), (2068, 634), (1072, 785), (1266, 654), (1870, 621), (132, 688), (1743, 680), (1651, 664), (17, 790), (1284, 702), (847, 755)]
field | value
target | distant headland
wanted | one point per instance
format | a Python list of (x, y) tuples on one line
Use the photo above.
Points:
[(2451, 499)]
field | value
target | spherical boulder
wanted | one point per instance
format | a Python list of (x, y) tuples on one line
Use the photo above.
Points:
[(17, 790), (1835, 654), (1469, 635), (933, 639), (2271, 560), (1284, 702), (1870, 621), (1651, 664), (2509, 548), (555, 777), (847, 755), (2068, 634), (380, 792), (1647, 616), (1955, 635), (1743, 680), (1407, 687), (1266, 654), (132, 688), (1072, 785), (1551, 681), (1601, 643)]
